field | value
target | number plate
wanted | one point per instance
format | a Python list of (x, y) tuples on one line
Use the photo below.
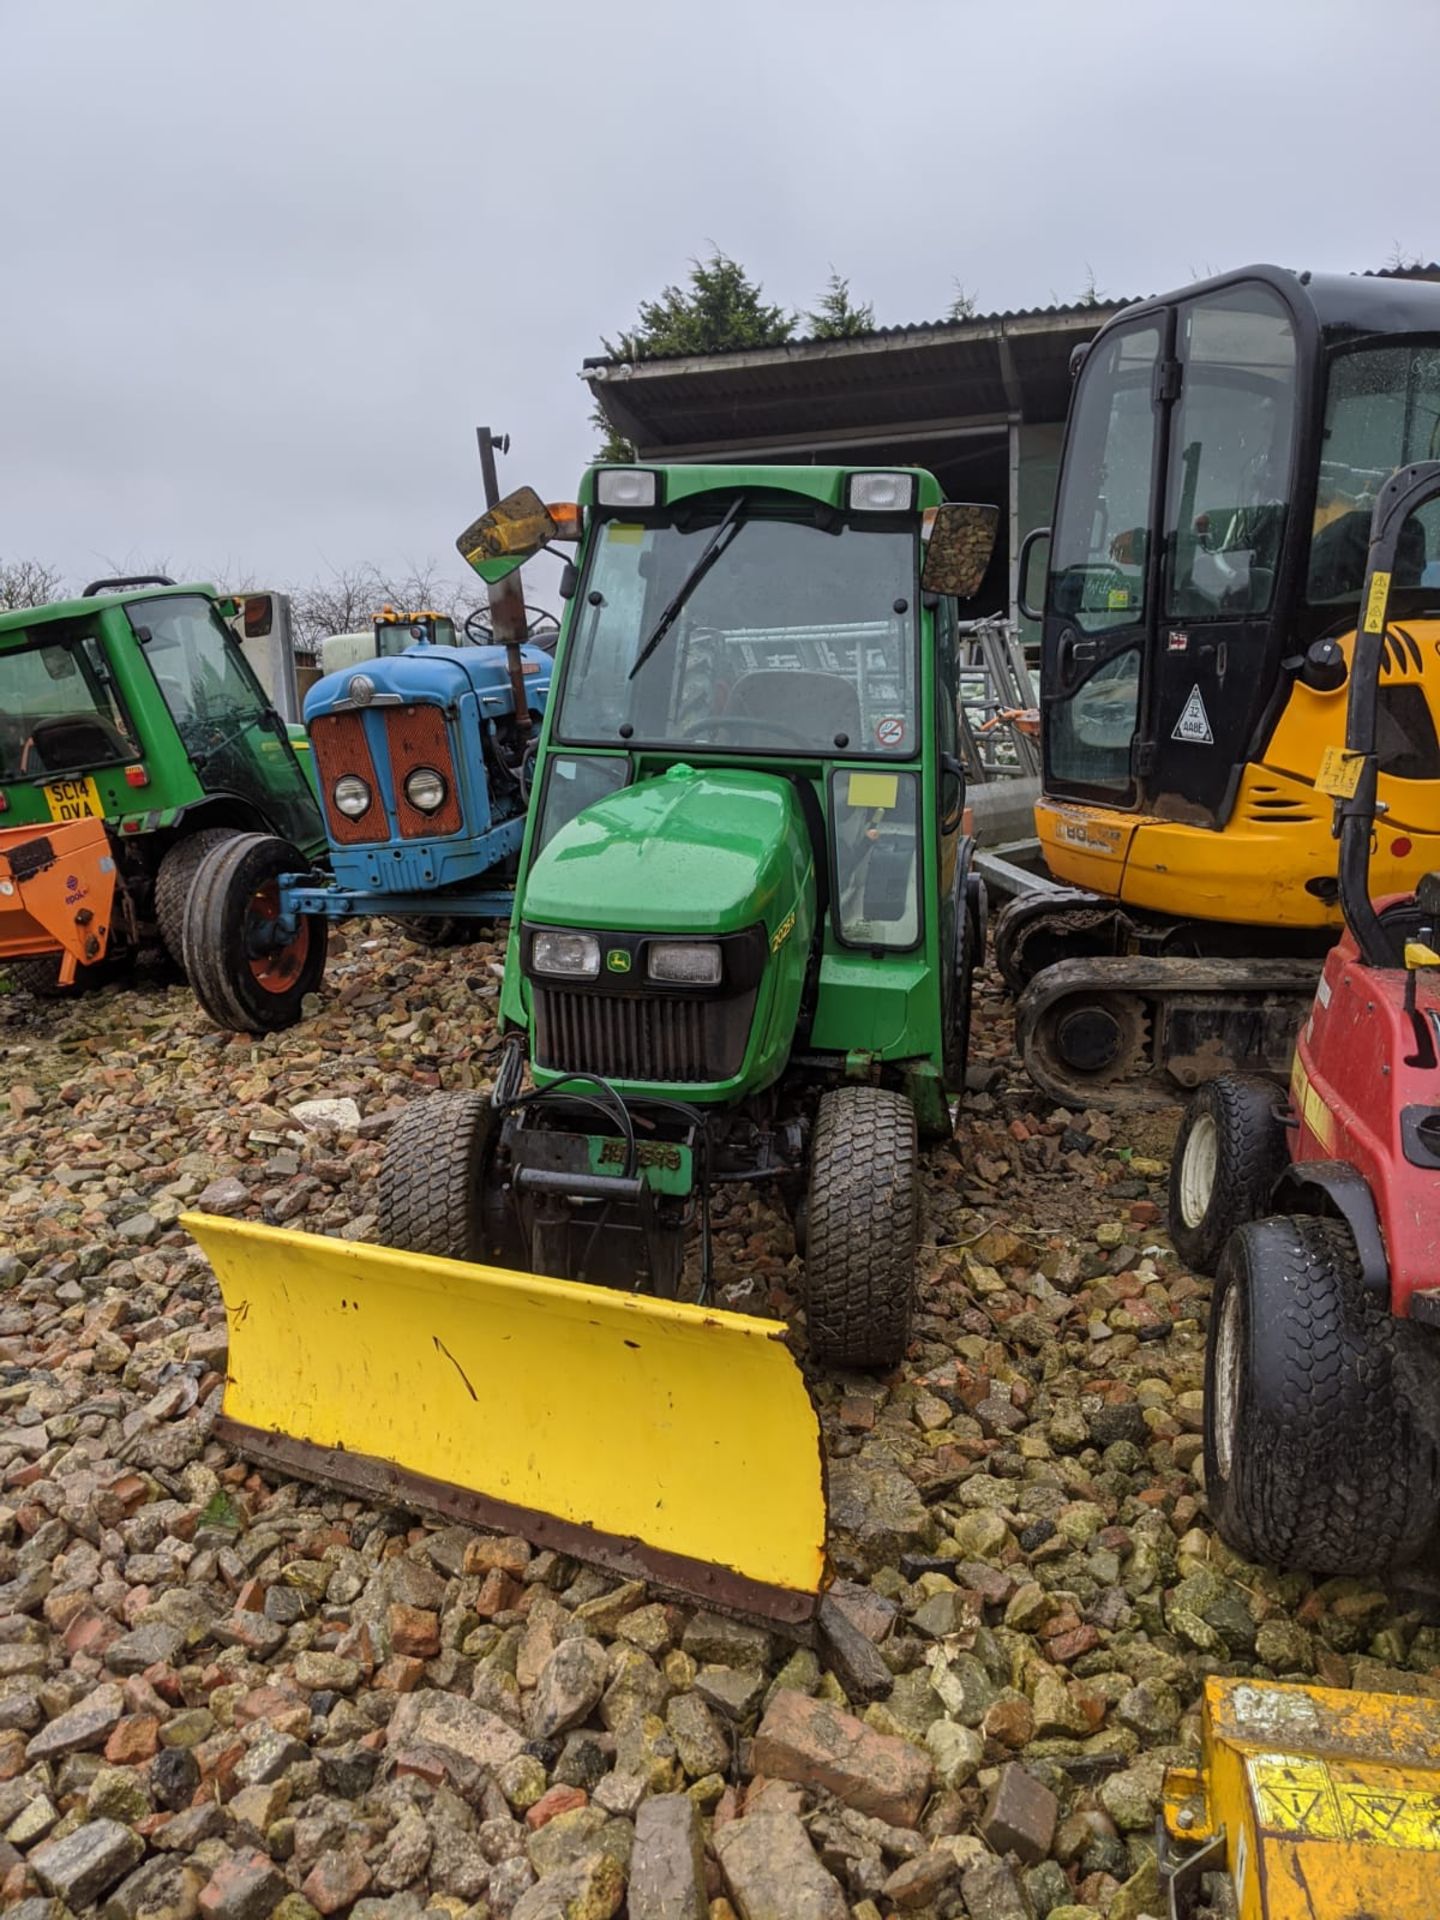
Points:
[(74, 800)]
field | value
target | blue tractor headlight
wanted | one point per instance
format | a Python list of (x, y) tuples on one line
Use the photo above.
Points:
[(425, 789), (351, 796)]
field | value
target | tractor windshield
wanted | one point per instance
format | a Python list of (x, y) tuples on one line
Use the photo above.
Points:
[(60, 712), (797, 639), (1382, 412)]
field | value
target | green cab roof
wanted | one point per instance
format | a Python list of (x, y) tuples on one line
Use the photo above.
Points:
[(25, 617), (823, 484)]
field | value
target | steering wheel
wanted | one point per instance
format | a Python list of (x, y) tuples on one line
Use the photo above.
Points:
[(746, 720), (477, 627)]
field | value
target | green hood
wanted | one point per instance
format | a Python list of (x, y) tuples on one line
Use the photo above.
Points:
[(691, 852)]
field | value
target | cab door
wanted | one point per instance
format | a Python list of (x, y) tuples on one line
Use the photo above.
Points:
[(235, 740), (1227, 488), (1098, 626)]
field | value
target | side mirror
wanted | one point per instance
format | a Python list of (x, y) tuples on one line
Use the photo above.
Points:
[(257, 615), (961, 541), (511, 532), (1022, 572)]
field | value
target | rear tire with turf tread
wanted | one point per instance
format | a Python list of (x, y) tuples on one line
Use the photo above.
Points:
[(38, 977), (1312, 1459), (432, 1177), (862, 1228), (174, 881), (1229, 1153), (232, 887), (41, 977)]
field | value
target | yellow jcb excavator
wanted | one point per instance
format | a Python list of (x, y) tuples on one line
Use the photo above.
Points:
[(1223, 451)]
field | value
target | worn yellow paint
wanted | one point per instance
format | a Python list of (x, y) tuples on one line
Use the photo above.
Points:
[(1329, 1802), (1310, 1104), (685, 1428)]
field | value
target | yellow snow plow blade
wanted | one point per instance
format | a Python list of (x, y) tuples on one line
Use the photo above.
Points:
[(1320, 1805), (673, 1443)]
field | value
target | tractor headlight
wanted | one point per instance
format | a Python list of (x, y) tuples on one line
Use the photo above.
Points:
[(425, 789), (351, 795), (627, 487), (882, 492), (695, 963), (574, 954)]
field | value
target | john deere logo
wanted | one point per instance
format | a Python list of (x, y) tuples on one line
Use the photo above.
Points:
[(618, 960)]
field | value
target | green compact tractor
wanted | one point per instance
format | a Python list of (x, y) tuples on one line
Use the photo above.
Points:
[(135, 734), (746, 918)]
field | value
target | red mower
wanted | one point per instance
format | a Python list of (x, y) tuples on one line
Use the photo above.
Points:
[(1320, 1216)]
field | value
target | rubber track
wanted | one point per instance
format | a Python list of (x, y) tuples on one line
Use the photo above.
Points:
[(1250, 1157), (430, 1176), (174, 881), (863, 1228), (1328, 1477)]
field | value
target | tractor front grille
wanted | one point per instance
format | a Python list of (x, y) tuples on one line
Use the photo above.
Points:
[(668, 1038), (340, 747)]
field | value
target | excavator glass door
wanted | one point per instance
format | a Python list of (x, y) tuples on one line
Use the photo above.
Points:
[(1158, 651), (1095, 605)]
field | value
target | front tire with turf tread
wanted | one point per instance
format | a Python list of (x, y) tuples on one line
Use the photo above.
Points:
[(217, 959), (174, 881), (1312, 1459), (862, 1228), (1229, 1153), (432, 1178)]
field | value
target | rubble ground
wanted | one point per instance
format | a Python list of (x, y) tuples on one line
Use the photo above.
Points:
[(230, 1697)]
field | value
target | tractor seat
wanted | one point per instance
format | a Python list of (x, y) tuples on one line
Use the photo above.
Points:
[(817, 705), (61, 744)]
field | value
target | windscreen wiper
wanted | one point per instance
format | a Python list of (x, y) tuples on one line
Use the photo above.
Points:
[(715, 546)]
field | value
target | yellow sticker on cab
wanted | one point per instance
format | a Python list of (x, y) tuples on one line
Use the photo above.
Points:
[(881, 790), (1339, 773), (73, 800), (1376, 604)]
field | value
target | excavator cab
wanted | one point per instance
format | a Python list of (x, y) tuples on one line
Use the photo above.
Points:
[(1223, 451)]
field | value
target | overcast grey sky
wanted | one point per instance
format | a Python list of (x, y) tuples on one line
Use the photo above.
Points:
[(268, 264)]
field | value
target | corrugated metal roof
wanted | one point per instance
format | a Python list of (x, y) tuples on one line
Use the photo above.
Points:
[(949, 378), (927, 380), (1102, 309)]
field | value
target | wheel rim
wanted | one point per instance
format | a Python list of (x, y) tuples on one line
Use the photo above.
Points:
[(276, 970), (1226, 1415), (1197, 1170)]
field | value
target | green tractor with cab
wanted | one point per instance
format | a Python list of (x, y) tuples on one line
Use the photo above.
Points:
[(140, 726), (746, 915)]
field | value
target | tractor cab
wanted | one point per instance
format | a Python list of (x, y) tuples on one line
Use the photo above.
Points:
[(132, 725), (136, 706), (389, 634), (1224, 451)]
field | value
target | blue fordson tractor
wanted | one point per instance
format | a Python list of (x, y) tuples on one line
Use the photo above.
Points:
[(422, 765)]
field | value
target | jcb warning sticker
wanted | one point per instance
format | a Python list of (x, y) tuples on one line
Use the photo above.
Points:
[(1296, 1796), (1376, 604)]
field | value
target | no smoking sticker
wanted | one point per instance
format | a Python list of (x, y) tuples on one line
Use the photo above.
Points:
[(890, 731)]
